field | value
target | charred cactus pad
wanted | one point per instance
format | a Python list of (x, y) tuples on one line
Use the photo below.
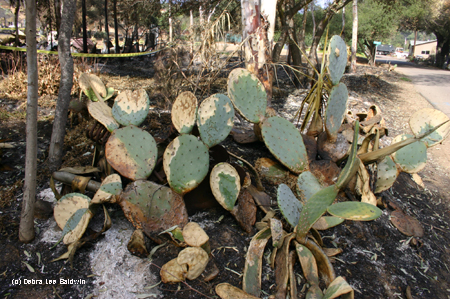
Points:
[(225, 185), (184, 112), (411, 158), (132, 152), (285, 143), (152, 207), (248, 95), (215, 119), (426, 119), (131, 107), (186, 163)]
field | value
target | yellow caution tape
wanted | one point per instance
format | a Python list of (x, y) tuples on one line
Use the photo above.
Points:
[(86, 54)]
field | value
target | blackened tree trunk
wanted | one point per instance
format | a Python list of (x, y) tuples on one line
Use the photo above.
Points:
[(442, 50), (26, 229), (65, 86), (116, 28), (16, 21), (57, 7), (83, 12), (106, 25)]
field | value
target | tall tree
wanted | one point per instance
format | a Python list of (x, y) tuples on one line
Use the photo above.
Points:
[(106, 26), (65, 85), (116, 28), (26, 229), (354, 36), (16, 4)]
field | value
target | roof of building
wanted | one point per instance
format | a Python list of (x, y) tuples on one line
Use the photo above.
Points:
[(411, 42)]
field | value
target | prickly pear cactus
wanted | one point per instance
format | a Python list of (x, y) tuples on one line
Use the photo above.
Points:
[(186, 163), (424, 120), (101, 112), (110, 187), (411, 158), (248, 95), (72, 215), (152, 207), (286, 143), (387, 173), (308, 185), (68, 205), (91, 85), (225, 185), (132, 152), (131, 107), (289, 205), (215, 119), (356, 211), (336, 108), (314, 208), (184, 112), (337, 59)]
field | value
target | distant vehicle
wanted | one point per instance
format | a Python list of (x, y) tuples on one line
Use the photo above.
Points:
[(400, 50), (401, 55), (385, 49)]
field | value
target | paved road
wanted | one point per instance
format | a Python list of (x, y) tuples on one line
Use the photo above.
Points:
[(432, 83)]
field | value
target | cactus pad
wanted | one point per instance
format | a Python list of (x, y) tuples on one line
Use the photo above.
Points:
[(101, 112), (76, 225), (225, 185), (307, 185), (131, 107), (326, 222), (132, 152), (215, 119), (91, 85), (314, 208), (289, 205), (426, 119), (338, 58), (248, 95), (286, 143), (353, 210), (68, 205), (184, 112), (152, 207), (186, 163), (336, 107), (387, 173), (411, 158), (111, 186)]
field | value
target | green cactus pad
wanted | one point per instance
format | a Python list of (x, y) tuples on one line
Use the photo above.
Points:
[(314, 208), (215, 119), (336, 108), (91, 85), (337, 59), (132, 152), (184, 112), (131, 107), (307, 185), (111, 186), (353, 210), (424, 120), (352, 165), (225, 185), (101, 112), (286, 143), (68, 205), (308, 262), (387, 173), (248, 95), (326, 222), (152, 207), (91, 94), (186, 163), (251, 282), (289, 205), (411, 158)]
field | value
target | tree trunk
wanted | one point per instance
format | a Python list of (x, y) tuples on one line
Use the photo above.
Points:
[(293, 46), (57, 5), (83, 9), (415, 41), (442, 50), (65, 86), (170, 22), (354, 36), (279, 45), (16, 22), (116, 28), (302, 34), (26, 229), (343, 24), (106, 26)]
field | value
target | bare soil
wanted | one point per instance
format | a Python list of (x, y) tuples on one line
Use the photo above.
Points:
[(378, 261)]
